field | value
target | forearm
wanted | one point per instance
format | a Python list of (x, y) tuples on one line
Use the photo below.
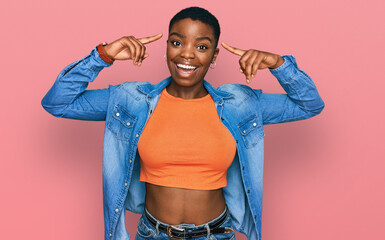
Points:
[(299, 87), (302, 100), (71, 83)]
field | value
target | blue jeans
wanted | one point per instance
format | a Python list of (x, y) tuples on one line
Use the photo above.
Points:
[(146, 231)]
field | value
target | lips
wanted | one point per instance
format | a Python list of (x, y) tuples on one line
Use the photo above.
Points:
[(185, 70), (185, 66)]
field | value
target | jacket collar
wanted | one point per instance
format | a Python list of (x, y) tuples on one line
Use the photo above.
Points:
[(155, 89)]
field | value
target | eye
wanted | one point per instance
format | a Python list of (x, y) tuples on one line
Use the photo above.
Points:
[(175, 43), (202, 47)]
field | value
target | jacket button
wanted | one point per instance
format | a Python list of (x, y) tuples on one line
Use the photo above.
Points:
[(137, 135), (248, 191), (150, 111), (117, 114), (116, 210), (243, 168), (110, 234), (244, 131), (128, 124), (255, 216), (222, 118), (254, 124), (130, 161), (236, 141), (125, 184)]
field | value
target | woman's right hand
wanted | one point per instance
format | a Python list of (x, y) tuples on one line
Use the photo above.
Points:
[(130, 48)]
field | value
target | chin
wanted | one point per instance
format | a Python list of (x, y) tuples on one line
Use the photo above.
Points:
[(184, 82)]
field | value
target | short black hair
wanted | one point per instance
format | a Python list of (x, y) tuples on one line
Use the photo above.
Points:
[(201, 14)]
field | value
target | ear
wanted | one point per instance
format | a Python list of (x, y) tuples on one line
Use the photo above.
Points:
[(216, 52)]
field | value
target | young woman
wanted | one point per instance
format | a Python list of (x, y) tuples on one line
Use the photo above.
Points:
[(185, 155)]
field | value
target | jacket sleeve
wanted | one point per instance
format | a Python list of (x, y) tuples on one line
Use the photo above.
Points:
[(301, 101), (68, 97)]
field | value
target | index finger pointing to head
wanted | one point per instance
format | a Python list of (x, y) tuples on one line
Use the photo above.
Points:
[(234, 50), (146, 40)]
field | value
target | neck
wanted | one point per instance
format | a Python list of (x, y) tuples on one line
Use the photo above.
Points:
[(190, 92)]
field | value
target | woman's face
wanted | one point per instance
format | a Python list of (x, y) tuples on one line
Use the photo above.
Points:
[(190, 51)]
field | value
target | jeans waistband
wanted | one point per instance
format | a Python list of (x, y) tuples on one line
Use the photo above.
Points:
[(225, 212)]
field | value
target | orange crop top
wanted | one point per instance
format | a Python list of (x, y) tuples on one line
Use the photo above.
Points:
[(185, 145)]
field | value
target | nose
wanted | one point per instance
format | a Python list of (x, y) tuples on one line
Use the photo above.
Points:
[(187, 52)]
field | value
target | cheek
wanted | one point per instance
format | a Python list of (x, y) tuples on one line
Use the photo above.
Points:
[(171, 52), (206, 60), (170, 66), (169, 57)]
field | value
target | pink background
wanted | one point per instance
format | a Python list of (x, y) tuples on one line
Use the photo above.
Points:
[(324, 177)]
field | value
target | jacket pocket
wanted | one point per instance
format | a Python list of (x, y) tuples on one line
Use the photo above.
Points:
[(251, 130), (121, 123)]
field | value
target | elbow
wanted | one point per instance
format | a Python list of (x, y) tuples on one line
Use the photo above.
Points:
[(50, 108), (317, 110)]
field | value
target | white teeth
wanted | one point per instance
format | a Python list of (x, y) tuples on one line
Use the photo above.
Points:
[(188, 67)]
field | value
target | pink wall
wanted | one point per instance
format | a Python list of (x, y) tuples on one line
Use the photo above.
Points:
[(324, 177)]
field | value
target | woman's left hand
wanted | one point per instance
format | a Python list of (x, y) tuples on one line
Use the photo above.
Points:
[(252, 60)]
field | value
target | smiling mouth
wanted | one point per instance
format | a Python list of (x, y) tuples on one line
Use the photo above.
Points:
[(186, 67), (185, 70)]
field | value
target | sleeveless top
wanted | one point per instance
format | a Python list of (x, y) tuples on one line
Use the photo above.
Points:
[(184, 144)]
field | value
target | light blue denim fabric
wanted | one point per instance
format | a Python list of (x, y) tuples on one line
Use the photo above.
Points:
[(127, 107), (147, 231)]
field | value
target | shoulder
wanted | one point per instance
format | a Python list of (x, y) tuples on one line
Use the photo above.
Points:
[(127, 91), (145, 87), (240, 90), (131, 87)]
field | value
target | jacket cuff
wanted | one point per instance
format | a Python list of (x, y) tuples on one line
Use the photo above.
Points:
[(103, 54), (287, 69), (96, 62)]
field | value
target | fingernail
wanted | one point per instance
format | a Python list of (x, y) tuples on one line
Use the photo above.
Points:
[(139, 63), (241, 70), (252, 75)]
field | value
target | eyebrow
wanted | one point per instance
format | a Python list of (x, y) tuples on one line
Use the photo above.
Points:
[(182, 36)]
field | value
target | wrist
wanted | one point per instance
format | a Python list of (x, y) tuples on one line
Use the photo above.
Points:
[(280, 61), (103, 55)]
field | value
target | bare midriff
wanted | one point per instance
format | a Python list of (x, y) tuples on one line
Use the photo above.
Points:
[(174, 206)]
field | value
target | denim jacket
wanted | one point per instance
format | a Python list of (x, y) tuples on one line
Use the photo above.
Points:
[(127, 107)]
